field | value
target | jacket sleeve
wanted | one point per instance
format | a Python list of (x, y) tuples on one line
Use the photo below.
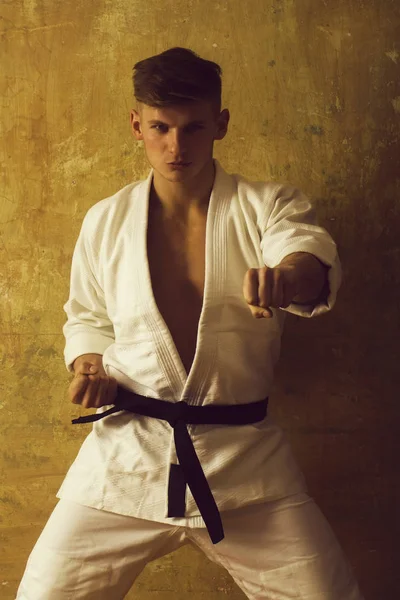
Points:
[(290, 225), (88, 329)]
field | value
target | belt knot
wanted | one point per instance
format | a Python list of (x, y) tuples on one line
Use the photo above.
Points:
[(179, 413)]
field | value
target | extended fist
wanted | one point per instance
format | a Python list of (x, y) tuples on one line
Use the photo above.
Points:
[(265, 288)]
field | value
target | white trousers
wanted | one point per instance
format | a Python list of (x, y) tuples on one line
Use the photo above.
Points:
[(282, 550)]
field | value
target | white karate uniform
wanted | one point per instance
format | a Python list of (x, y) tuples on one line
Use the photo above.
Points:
[(280, 550), (123, 465)]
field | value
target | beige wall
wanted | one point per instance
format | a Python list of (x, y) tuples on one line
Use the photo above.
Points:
[(314, 94)]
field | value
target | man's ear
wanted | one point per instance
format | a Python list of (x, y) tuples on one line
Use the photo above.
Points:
[(223, 121), (135, 124)]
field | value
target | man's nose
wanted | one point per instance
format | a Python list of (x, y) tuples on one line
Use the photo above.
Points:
[(177, 143)]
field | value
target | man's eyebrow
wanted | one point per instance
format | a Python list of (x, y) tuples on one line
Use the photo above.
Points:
[(157, 122)]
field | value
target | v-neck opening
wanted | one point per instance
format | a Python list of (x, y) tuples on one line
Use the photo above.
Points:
[(158, 317), (166, 348)]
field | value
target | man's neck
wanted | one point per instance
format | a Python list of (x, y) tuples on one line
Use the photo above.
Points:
[(178, 202)]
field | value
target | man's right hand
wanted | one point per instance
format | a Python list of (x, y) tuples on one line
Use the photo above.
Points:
[(91, 386)]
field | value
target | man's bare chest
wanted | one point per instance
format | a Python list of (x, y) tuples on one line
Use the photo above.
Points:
[(176, 256)]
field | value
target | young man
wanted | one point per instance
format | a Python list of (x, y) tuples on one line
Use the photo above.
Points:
[(174, 319)]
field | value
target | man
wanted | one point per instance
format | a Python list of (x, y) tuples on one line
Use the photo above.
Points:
[(174, 319)]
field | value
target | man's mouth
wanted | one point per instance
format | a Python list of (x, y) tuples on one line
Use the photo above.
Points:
[(179, 165)]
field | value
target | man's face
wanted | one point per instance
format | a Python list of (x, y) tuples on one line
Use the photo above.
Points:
[(179, 133)]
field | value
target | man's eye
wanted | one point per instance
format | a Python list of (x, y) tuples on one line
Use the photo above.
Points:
[(194, 127), (191, 128)]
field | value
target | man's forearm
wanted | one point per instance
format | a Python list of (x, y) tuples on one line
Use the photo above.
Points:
[(311, 277)]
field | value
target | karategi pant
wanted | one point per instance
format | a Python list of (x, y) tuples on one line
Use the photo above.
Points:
[(281, 550)]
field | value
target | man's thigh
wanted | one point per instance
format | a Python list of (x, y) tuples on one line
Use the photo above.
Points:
[(283, 550), (89, 554)]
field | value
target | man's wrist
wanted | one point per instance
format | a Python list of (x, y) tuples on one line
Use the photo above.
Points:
[(94, 358), (310, 276)]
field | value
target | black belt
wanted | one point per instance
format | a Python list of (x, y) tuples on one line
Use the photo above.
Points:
[(189, 470)]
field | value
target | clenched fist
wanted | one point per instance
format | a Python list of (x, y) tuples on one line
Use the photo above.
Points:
[(266, 287), (91, 386)]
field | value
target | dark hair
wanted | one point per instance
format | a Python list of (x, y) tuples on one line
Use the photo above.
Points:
[(177, 76)]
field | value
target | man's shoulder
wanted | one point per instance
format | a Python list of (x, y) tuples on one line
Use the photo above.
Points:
[(118, 200), (264, 188), (113, 209), (108, 216), (258, 197)]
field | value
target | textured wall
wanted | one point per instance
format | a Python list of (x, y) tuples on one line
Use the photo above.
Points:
[(314, 93)]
